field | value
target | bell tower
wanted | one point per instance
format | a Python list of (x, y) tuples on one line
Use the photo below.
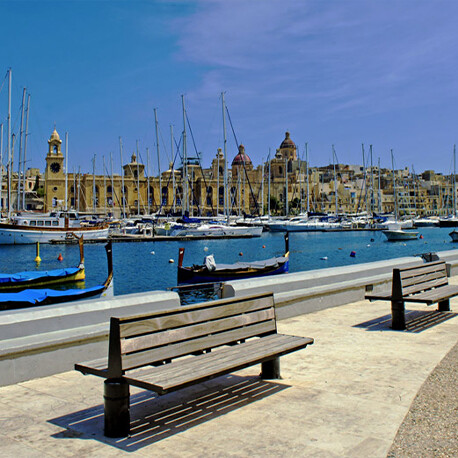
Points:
[(54, 174)]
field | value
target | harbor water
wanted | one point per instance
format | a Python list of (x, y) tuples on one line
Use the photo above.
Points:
[(145, 266)]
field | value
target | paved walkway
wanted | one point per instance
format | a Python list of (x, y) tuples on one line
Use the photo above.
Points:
[(346, 395)]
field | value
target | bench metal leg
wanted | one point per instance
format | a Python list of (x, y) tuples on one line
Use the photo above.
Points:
[(398, 317), (271, 369), (444, 306), (116, 405)]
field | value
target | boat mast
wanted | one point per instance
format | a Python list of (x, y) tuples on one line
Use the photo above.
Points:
[(158, 156), (308, 179), (379, 189), (394, 189), (335, 178), (25, 149), (372, 181), (104, 187), (112, 182), (454, 180), (66, 171), (93, 185), (286, 187), (9, 141), (138, 180), (268, 191), (21, 134), (300, 185), (122, 181), (262, 187), (1, 168), (79, 188), (217, 182), (74, 189), (173, 169), (184, 207), (147, 181), (10, 172), (226, 203)]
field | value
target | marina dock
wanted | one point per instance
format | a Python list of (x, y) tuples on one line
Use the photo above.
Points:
[(346, 395)]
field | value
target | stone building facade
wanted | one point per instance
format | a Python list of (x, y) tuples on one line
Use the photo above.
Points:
[(283, 178)]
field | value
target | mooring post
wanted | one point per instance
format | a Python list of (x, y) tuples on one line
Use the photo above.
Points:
[(116, 407)]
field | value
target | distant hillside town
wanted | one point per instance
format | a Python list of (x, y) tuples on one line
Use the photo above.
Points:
[(283, 185)]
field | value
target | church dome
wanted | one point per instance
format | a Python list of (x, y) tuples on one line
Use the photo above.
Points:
[(287, 142), (54, 136), (241, 157)]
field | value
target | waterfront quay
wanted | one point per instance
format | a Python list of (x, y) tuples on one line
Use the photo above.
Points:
[(345, 395)]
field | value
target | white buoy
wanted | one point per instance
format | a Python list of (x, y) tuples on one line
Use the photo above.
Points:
[(368, 245), (153, 252), (171, 261), (205, 248)]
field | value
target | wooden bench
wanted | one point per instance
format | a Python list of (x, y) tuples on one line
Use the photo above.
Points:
[(171, 349), (426, 283)]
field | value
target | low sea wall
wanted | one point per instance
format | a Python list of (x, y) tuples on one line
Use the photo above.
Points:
[(305, 292), (42, 341)]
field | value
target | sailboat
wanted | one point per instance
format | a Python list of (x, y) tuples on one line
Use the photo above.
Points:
[(394, 233)]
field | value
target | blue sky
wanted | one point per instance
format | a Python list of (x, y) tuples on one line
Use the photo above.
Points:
[(331, 72)]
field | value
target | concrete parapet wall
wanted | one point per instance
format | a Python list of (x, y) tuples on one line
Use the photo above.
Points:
[(47, 340), (309, 291)]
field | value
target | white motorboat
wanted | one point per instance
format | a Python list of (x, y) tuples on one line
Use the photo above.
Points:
[(426, 222), (220, 230), (395, 235), (56, 226)]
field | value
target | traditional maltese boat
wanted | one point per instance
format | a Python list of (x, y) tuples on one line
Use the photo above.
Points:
[(210, 271), (32, 297), (39, 279)]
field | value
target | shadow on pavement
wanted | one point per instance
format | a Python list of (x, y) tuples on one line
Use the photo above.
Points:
[(416, 321), (154, 418)]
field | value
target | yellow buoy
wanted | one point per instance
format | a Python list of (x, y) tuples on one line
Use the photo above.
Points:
[(38, 259)]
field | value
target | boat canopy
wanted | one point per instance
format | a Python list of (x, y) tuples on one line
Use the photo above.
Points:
[(256, 265), (21, 277), (39, 296)]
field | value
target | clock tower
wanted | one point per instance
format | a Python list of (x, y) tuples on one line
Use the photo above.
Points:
[(54, 174)]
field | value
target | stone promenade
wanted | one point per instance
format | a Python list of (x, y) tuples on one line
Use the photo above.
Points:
[(346, 395)]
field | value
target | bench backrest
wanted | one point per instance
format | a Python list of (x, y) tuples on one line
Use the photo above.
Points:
[(414, 280), (158, 337)]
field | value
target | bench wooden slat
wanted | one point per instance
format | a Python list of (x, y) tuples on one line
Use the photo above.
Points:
[(97, 367), (422, 269), (423, 278), (173, 370), (381, 296), (218, 362), (133, 360), (209, 365), (181, 317), (438, 282), (434, 295), (178, 334)]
